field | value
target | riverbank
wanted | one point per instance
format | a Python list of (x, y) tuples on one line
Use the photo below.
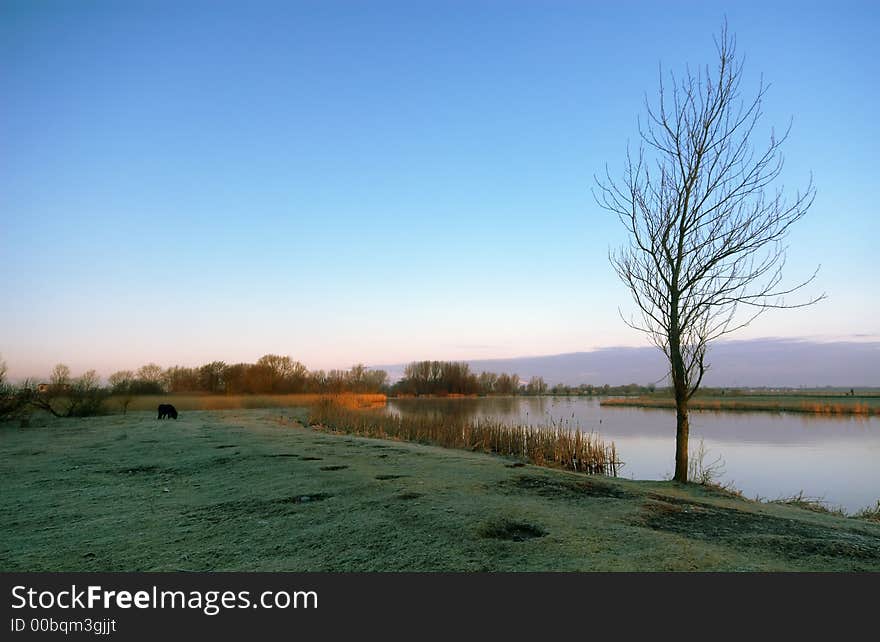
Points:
[(253, 490), (866, 406)]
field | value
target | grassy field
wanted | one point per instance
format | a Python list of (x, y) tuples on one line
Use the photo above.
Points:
[(252, 490), (863, 405)]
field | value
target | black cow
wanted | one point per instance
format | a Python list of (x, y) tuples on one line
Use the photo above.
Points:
[(166, 410)]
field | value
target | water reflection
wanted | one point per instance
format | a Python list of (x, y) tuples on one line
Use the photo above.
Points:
[(766, 454)]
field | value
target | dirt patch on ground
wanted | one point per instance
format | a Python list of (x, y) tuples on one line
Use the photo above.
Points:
[(305, 499), (139, 470), (511, 530), (745, 530), (554, 488), (251, 507), (203, 465), (193, 467)]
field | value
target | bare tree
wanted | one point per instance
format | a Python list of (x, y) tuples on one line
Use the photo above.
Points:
[(13, 399), (66, 397), (120, 380), (536, 386), (706, 230), (60, 376), (121, 388), (151, 373)]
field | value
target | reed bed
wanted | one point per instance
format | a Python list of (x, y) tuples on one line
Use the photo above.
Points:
[(871, 513), (554, 446), (236, 402), (748, 405), (815, 504)]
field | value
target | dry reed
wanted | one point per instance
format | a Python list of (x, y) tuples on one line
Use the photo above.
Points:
[(744, 405), (555, 445)]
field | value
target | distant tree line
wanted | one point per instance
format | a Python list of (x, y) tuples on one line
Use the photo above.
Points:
[(584, 389), (443, 378), (271, 374), (274, 374), (63, 395), (66, 396)]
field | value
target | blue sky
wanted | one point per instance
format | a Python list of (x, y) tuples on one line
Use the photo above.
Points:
[(379, 182)]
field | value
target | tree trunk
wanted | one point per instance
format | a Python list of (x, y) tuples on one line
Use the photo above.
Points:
[(681, 439), (680, 384)]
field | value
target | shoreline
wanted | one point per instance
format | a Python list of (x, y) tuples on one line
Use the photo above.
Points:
[(751, 404)]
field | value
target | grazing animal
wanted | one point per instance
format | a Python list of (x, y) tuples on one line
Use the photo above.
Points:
[(166, 410)]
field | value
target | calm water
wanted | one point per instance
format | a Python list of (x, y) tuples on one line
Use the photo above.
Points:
[(764, 454)]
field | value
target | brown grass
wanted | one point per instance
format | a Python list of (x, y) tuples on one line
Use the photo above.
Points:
[(748, 405), (234, 402), (870, 513), (553, 446), (814, 504)]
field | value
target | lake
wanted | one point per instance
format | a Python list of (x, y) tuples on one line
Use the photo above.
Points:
[(770, 455)]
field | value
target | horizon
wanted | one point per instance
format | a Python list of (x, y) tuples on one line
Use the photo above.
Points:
[(746, 363), (385, 183)]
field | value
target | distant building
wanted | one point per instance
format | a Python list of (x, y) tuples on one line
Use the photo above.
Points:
[(47, 387)]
